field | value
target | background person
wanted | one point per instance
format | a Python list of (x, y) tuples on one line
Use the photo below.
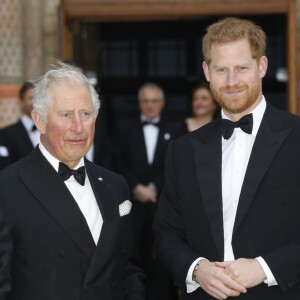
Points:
[(141, 147), (204, 107), (22, 137)]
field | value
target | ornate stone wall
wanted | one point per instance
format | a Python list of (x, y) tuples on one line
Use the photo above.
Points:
[(29, 42)]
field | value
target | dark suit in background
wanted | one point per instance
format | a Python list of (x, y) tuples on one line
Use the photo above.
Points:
[(17, 140), (132, 162), (4, 154), (102, 144)]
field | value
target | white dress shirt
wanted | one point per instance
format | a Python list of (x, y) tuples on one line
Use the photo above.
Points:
[(83, 195), (34, 135), (235, 157), (150, 135)]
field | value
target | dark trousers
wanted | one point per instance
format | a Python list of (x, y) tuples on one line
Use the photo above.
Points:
[(159, 285)]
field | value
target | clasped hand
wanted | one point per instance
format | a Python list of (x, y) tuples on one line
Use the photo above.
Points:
[(231, 278)]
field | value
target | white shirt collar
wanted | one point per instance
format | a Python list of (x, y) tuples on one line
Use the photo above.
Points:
[(54, 161), (27, 122), (257, 112), (155, 120)]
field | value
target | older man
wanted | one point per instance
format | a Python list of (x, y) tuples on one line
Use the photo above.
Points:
[(228, 221), (67, 219)]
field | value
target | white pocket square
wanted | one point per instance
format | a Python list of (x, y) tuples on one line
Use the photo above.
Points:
[(4, 151), (125, 208)]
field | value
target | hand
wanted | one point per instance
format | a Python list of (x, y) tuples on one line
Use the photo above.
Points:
[(153, 197), (216, 282), (247, 272), (144, 194)]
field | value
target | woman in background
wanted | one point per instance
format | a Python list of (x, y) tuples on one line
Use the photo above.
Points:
[(204, 107)]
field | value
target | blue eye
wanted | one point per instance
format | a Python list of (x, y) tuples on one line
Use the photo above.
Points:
[(222, 70)]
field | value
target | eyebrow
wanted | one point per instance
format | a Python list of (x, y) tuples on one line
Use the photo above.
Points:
[(238, 65)]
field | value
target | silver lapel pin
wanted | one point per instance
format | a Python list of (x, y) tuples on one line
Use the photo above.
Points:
[(100, 179)]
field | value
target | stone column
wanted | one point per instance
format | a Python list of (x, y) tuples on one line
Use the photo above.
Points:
[(51, 32), (33, 39), (11, 57)]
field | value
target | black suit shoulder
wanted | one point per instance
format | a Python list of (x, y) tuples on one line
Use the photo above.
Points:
[(13, 170)]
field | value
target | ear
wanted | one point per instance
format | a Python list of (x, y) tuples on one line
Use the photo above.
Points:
[(263, 66), (38, 121), (206, 71)]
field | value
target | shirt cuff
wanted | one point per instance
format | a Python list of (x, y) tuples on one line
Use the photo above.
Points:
[(154, 187), (192, 285), (270, 281)]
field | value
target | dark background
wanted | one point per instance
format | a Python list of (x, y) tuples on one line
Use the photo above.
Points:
[(125, 55)]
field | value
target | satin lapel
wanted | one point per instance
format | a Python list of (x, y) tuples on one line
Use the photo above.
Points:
[(208, 157), (105, 194), (161, 145), (48, 188), (269, 139)]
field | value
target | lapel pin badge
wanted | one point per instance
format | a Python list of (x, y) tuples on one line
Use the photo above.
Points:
[(100, 179), (167, 136)]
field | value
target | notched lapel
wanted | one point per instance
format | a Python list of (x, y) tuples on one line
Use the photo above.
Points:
[(265, 148), (107, 201), (208, 157), (43, 181)]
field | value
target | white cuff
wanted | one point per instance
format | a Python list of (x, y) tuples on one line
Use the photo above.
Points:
[(270, 277), (192, 285)]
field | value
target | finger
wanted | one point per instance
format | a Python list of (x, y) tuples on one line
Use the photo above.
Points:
[(223, 264), (219, 287), (217, 294), (233, 285), (225, 290)]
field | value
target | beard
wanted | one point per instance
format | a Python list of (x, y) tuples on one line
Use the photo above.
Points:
[(239, 103)]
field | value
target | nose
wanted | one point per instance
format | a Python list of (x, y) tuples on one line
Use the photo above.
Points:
[(77, 124), (232, 78)]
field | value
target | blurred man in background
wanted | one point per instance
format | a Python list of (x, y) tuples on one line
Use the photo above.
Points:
[(141, 147), (21, 138)]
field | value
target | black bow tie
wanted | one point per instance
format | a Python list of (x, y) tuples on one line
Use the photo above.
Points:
[(245, 123), (66, 173), (144, 123)]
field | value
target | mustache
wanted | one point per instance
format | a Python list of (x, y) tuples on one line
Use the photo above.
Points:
[(233, 89)]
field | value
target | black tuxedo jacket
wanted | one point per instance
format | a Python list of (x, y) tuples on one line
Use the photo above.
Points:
[(102, 144), (4, 160), (189, 219), (131, 155), (53, 255), (17, 141)]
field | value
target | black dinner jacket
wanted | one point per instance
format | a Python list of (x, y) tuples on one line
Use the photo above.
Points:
[(189, 219), (54, 256), (4, 160), (102, 144), (17, 140), (131, 155)]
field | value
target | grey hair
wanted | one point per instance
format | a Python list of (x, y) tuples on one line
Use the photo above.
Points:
[(151, 85), (64, 73)]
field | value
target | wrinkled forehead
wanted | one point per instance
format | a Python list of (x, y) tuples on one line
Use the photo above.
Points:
[(70, 93)]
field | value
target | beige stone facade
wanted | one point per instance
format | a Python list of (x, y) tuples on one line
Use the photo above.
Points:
[(29, 43)]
